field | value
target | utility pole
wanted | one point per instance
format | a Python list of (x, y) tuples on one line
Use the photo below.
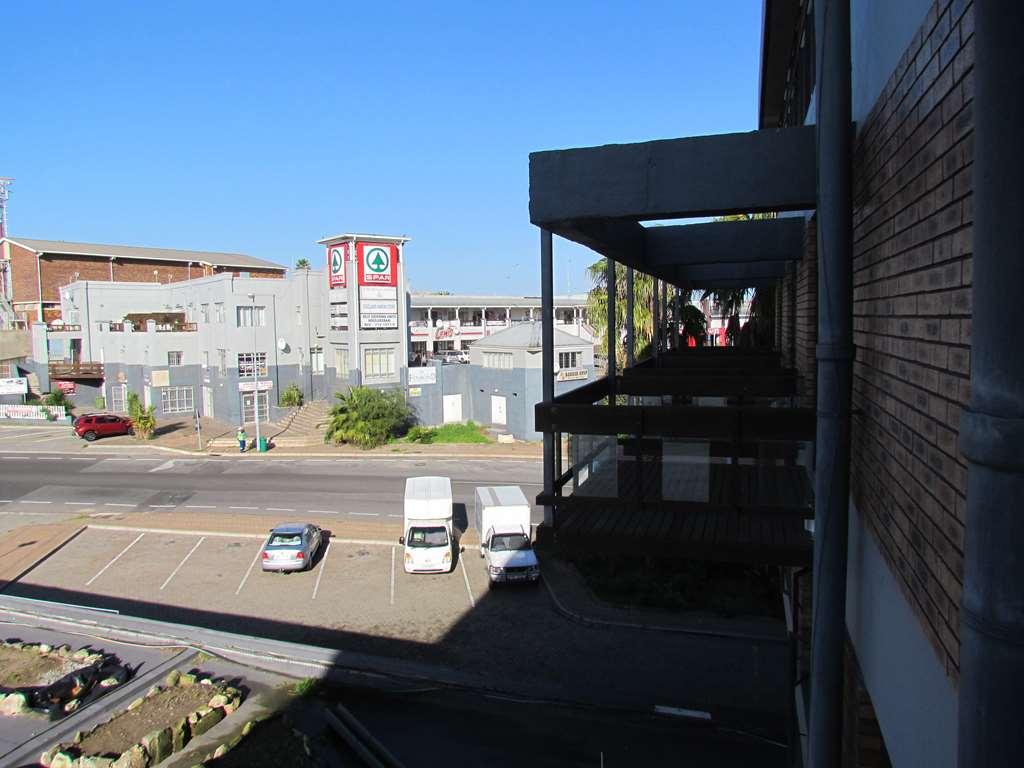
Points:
[(255, 379)]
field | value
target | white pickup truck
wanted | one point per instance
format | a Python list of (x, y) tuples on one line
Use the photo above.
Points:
[(502, 516)]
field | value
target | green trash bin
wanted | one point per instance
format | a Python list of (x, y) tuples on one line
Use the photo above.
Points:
[(262, 447)]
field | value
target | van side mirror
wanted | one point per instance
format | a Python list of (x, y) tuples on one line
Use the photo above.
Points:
[(401, 540), (483, 545)]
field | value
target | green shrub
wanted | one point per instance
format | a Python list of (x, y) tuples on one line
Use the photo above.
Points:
[(58, 398), (420, 434), (367, 417), (291, 397), (143, 419)]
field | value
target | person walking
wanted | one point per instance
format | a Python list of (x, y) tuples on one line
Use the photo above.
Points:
[(241, 439)]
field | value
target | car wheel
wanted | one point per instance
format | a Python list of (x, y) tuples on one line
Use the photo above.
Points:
[(130, 431), (89, 436)]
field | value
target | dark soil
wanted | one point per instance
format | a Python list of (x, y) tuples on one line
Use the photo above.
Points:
[(156, 712), (21, 669), (272, 743), (727, 589)]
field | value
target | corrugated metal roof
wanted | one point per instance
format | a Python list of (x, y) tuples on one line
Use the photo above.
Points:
[(527, 336), (140, 252)]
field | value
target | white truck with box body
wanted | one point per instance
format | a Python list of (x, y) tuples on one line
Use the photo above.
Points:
[(427, 525), (502, 516)]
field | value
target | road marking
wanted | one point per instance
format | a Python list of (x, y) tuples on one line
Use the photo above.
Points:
[(49, 458), (394, 515), (16, 458), (116, 558), (465, 576), (692, 714), (392, 574), (79, 458), (80, 503), (317, 461), (201, 539), (366, 514), (162, 506), (6, 501), (243, 507), (28, 501), (280, 509), (323, 512), (46, 439), (116, 504), (198, 506), (323, 565), (117, 459), (246, 577)]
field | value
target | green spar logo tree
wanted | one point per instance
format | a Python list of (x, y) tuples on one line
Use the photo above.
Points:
[(377, 260), (336, 261)]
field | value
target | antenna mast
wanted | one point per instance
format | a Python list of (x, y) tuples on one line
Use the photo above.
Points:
[(5, 182)]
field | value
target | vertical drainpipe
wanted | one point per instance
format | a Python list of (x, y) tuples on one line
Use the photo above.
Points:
[(992, 426), (835, 363), (630, 336), (547, 324), (612, 333)]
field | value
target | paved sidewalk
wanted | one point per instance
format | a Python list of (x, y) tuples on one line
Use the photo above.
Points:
[(23, 547)]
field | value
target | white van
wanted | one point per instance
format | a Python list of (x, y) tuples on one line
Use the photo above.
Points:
[(427, 525), (502, 516)]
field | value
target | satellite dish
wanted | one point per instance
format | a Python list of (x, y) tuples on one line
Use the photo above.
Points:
[(282, 344)]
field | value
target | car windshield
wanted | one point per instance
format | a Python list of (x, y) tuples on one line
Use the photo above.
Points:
[(285, 540), (508, 542), (428, 537)]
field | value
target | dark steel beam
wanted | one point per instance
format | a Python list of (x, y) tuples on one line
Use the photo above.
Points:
[(709, 273), (547, 324), (992, 427), (630, 310), (611, 330), (835, 375), (767, 170), (725, 242)]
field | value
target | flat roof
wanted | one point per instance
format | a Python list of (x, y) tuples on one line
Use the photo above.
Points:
[(105, 251), (335, 239), (424, 300)]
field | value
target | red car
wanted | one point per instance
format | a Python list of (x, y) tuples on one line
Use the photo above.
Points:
[(93, 425)]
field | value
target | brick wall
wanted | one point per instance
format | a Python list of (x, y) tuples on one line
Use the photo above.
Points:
[(912, 318), (138, 271), (24, 280), (58, 271), (805, 318)]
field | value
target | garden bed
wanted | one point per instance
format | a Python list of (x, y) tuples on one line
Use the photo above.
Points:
[(37, 678), (151, 728)]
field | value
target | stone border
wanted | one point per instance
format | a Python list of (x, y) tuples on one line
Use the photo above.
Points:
[(157, 746), (248, 728), (97, 673)]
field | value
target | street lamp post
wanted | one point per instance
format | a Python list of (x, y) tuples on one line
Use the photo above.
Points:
[(255, 379)]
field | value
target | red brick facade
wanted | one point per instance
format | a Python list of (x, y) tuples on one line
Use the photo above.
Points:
[(912, 318), (55, 271)]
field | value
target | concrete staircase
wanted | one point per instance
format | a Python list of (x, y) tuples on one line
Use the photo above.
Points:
[(303, 427)]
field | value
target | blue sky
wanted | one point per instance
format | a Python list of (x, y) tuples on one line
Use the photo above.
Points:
[(259, 127)]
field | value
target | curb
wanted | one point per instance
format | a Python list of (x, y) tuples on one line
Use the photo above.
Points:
[(589, 622)]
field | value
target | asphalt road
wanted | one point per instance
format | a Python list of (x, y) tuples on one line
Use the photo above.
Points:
[(54, 485)]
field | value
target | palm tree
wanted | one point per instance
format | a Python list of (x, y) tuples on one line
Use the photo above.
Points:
[(643, 301), (302, 264)]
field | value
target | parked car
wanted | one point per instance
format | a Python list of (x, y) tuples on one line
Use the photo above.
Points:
[(450, 356), (92, 425), (502, 516), (291, 547)]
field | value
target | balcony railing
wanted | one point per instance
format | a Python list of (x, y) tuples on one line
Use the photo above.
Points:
[(65, 370)]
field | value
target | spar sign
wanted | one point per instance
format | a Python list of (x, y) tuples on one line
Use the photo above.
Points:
[(377, 263), (337, 255)]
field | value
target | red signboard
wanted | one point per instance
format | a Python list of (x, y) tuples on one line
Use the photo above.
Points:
[(378, 263), (337, 258), (67, 387)]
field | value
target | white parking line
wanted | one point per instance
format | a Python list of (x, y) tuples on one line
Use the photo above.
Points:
[(317, 461), (243, 507), (246, 577), (366, 514), (392, 575), (323, 512), (49, 458), (198, 506), (465, 576), (80, 503), (6, 501), (162, 506), (29, 501), (116, 558), (117, 459), (280, 509), (394, 515), (79, 458), (201, 539), (116, 504), (323, 565), (15, 458)]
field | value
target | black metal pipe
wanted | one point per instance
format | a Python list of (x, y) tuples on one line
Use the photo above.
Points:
[(835, 362), (992, 427), (630, 330), (547, 325), (655, 319), (612, 334)]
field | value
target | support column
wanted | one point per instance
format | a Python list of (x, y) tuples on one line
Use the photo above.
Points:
[(835, 357), (676, 317), (547, 324), (612, 333), (664, 313), (630, 330), (992, 426), (655, 319)]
